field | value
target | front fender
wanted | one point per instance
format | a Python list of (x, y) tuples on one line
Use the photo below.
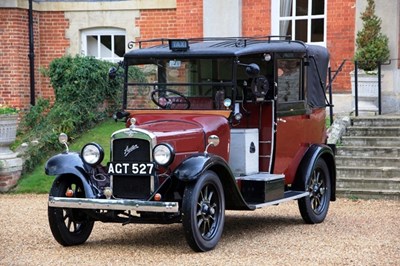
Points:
[(67, 163), (192, 168), (64, 165), (306, 166)]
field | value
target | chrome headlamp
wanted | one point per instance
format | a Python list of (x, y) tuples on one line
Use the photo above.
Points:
[(92, 153), (163, 154)]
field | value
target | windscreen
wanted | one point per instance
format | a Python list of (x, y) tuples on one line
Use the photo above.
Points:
[(179, 84)]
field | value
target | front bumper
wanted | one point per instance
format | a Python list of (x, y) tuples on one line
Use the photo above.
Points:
[(114, 204)]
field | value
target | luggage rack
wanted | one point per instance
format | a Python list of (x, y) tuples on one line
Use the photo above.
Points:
[(224, 41)]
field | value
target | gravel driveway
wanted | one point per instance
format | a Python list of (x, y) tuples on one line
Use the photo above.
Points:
[(354, 233)]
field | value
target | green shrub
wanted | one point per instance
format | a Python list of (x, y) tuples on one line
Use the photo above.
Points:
[(84, 97), (372, 45)]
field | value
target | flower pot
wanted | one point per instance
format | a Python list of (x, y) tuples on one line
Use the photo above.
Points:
[(8, 133), (367, 90), (10, 164)]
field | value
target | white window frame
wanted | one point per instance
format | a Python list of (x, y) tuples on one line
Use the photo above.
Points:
[(276, 19), (102, 32)]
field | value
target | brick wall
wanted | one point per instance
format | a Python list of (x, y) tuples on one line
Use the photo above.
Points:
[(341, 39), (156, 23), (189, 18), (14, 67), (49, 37), (51, 43), (184, 21), (256, 18)]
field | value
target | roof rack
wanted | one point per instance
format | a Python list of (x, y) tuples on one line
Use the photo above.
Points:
[(237, 41)]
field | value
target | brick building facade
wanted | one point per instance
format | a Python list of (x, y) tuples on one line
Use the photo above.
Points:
[(58, 27)]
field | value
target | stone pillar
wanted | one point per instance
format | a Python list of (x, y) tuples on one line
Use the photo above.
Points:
[(10, 172)]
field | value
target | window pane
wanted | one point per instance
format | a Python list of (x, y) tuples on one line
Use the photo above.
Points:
[(317, 30), (301, 30), (285, 27), (286, 8), (289, 80), (105, 46), (318, 7), (119, 45), (92, 45), (302, 8)]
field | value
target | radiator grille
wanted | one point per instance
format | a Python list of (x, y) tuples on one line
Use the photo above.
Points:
[(131, 150)]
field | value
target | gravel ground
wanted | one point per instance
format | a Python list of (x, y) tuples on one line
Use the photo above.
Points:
[(354, 233)]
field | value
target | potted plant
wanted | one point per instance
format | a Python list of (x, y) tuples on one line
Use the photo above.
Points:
[(8, 128), (372, 47), (10, 163)]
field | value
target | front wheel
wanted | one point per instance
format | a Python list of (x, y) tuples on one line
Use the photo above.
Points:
[(203, 210), (69, 226), (314, 208)]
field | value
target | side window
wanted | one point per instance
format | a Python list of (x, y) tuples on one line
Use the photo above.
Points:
[(107, 43), (289, 80), (290, 85)]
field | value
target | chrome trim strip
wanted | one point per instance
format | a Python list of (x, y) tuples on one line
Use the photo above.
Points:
[(295, 196), (114, 204)]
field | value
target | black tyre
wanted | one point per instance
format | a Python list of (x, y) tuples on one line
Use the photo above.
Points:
[(69, 226), (203, 210), (314, 208)]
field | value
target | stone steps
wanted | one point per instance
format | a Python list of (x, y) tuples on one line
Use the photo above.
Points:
[(368, 159), (376, 121), (368, 151), (378, 141), (370, 183), (367, 172), (368, 193), (373, 131)]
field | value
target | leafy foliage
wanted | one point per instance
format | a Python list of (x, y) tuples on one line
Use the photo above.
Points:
[(7, 110), (84, 97), (372, 45), (36, 182)]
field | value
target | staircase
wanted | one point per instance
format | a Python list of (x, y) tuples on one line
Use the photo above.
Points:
[(368, 159)]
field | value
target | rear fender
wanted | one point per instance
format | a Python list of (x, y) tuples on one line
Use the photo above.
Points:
[(193, 167), (70, 165), (306, 166)]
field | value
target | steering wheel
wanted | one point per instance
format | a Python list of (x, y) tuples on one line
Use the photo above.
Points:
[(161, 99), (259, 87)]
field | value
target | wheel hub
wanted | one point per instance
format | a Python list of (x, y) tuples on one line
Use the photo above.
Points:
[(206, 210)]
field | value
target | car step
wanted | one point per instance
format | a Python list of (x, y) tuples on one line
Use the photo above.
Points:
[(264, 189), (288, 196)]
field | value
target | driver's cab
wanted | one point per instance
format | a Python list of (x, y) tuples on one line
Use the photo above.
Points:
[(184, 84), (261, 86)]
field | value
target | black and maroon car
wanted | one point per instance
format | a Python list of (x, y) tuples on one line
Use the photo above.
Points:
[(216, 124)]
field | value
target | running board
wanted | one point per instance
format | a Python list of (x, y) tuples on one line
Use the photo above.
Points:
[(288, 195)]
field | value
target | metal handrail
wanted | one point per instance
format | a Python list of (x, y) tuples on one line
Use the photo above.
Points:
[(379, 64)]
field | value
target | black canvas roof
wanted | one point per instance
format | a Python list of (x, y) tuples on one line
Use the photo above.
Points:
[(214, 47), (318, 56)]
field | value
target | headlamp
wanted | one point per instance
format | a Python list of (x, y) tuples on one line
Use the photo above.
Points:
[(92, 153), (163, 154)]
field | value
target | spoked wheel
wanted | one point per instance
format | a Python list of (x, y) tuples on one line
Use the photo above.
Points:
[(69, 226), (314, 207), (204, 212)]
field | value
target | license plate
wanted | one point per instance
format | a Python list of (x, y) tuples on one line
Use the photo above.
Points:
[(114, 168)]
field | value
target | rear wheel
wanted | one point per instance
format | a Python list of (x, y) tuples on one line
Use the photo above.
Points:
[(69, 226), (314, 208), (203, 212)]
